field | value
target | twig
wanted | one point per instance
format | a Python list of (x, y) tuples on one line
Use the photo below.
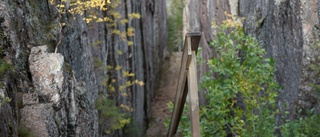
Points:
[(59, 31)]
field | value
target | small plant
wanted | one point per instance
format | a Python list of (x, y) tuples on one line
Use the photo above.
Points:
[(111, 117), (4, 100), (24, 132), (4, 67), (184, 125), (307, 126)]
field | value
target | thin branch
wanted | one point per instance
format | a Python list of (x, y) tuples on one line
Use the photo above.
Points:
[(59, 31)]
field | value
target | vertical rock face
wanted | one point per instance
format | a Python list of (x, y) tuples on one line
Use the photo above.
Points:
[(307, 98), (278, 27), (287, 29), (54, 94)]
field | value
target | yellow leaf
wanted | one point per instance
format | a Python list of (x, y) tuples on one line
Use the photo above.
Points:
[(100, 20), (123, 21), (115, 31), (111, 88), (121, 88), (102, 4), (118, 68), (124, 94), (130, 31), (128, 83), (106, 19), (130, 43), (134, 15), (113, 80), (119, 52), (131, 74), (125, 73), (116, 15), (123, 36), (109, 67), (141, 83)]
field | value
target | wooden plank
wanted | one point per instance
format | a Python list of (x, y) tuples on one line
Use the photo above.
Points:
[(191, 44), (193, 97), (189, 51), (180, 93), (195, 39)]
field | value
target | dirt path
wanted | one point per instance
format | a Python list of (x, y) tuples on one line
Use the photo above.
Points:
[(165, 94)]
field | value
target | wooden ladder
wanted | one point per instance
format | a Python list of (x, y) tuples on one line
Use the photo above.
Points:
[(187, 83)]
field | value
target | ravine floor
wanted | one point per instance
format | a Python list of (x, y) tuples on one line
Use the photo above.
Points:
[(165, 94)]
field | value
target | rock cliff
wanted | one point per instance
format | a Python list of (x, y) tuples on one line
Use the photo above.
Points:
[(53, 94)]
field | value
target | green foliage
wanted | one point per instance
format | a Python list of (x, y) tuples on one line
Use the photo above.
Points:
[(303, 127), (175, 24), (131, 130), (184, 125), (4, 100), (110, 116), (24, 132), (242, 95), (4, 67), (241, 91)]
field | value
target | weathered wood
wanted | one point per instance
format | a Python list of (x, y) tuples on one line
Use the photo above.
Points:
[(193, 97), (195, 39), (180, 93), (190, 45), (189, 52)]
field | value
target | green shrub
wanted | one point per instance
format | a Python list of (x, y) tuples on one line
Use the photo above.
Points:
[(242, 95), (241, 92), (110, 116)]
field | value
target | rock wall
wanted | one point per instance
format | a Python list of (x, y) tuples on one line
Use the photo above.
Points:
[(287, 29), (278, 26), (54, 94)]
